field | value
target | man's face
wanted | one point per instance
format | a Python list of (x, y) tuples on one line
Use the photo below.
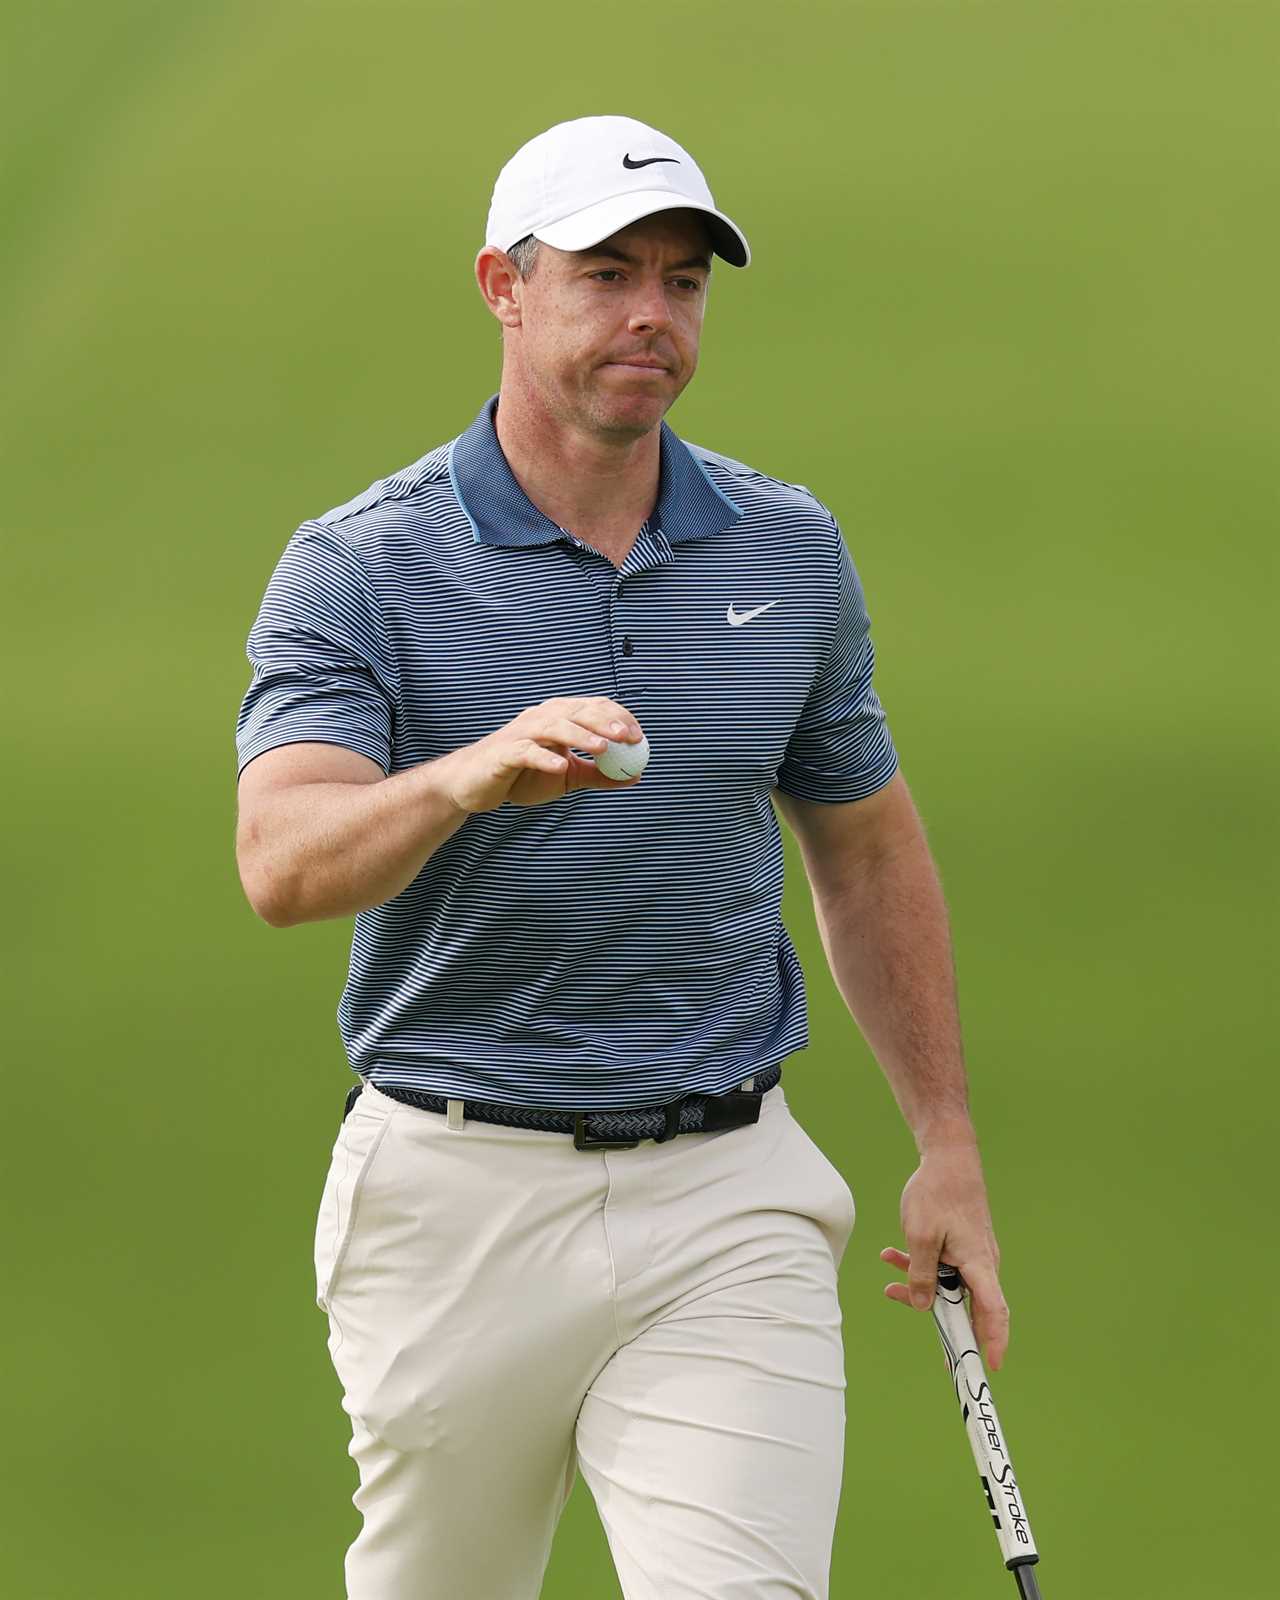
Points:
[(608, 337)]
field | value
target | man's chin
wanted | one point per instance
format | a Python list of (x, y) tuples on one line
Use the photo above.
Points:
[(637, 412)]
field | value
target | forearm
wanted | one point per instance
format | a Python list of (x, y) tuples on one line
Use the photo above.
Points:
[(321, 850), (884, 927), (886, 935)]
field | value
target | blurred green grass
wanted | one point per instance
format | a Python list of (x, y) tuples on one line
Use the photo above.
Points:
[(1010, 317)]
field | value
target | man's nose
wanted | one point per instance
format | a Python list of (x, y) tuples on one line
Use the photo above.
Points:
[(650, 312)]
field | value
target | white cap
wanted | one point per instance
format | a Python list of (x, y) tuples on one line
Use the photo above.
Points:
[(581, 181)]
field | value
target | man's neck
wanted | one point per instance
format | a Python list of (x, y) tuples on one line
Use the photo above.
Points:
[(595, 488)]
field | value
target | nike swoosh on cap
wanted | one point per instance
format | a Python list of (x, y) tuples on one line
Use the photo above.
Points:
[(648, 161), (735, 619)]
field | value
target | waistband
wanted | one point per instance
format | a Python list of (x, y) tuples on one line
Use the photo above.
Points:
[(602, 1130)]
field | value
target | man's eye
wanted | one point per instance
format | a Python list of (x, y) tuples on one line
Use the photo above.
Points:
[(608, 272), (687, 283)]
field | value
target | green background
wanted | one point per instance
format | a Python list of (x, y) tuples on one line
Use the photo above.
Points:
[(1012, 316)]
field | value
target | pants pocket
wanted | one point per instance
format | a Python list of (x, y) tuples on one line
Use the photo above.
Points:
[(835, 1209), (358, 1142)]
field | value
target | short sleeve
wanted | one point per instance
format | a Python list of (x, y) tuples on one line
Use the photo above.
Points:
[(322, 669), (841, 748)]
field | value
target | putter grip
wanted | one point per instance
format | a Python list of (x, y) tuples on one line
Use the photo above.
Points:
[(981, 1423)]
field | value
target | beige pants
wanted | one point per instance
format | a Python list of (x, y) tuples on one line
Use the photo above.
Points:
[(505, 1309)]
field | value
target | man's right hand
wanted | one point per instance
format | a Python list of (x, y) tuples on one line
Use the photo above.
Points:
[(530, 760)]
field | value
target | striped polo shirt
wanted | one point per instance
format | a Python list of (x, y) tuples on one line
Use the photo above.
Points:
[(607, 949)]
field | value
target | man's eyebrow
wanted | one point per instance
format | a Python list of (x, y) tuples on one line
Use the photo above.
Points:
[(610, 253)]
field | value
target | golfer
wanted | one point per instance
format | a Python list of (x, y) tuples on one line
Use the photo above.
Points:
[(570, 1223)]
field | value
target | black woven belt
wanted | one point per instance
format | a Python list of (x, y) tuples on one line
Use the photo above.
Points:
[(606, 1130)]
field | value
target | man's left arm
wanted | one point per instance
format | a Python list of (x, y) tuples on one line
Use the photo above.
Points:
[(883, 923)]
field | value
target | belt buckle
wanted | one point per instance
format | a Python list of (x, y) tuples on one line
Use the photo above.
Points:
[(582, 1140)]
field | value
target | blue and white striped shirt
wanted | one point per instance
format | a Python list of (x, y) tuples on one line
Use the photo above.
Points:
[(608, 949)]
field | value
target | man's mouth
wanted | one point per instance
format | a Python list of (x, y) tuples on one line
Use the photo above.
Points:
[(646, 362)]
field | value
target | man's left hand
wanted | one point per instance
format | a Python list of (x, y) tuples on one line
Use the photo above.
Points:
[(945, 1217)]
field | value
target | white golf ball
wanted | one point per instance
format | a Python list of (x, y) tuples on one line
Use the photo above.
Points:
[(623, 760)]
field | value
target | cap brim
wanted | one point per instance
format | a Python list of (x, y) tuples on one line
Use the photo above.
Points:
[(594, 223)]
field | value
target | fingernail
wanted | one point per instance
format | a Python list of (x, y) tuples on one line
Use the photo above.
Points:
[(921, 1299), (616, 727)]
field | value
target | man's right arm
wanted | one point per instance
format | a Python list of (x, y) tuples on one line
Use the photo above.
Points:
[(323, 832)]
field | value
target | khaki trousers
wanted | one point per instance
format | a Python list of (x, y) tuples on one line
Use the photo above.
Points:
[(505, 1310)]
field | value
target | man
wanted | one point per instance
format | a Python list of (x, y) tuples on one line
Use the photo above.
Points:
[(569, 1219)]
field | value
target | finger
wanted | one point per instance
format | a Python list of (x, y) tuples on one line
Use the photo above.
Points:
[(615, 720), (621, 724), (550, 727), (567, 731), (990, 1314), (605, 716), (585, 738), (625, 731), (529, 753), (586, 775), (582, 774), (900, 1259), (923, 1272)]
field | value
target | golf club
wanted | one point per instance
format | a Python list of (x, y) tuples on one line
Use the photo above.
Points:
[(977, 1407)]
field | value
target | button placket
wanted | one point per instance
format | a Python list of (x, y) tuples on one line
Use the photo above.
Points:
[(622, 640)]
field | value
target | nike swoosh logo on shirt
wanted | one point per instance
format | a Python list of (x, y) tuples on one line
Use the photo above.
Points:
[(735, 619)]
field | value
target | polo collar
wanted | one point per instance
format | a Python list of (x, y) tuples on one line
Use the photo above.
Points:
[(689, 504)]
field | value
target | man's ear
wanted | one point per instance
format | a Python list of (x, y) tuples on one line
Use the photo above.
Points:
[(500, 285)]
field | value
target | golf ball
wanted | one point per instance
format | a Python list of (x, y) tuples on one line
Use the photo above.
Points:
[(623, 760)]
